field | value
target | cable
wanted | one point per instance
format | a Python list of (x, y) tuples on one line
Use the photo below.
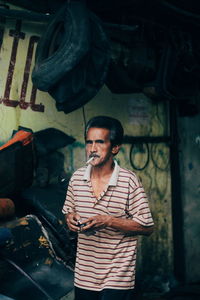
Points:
[(141, 150), (24, 15), (160, 156), (180, 10), (84, 117)]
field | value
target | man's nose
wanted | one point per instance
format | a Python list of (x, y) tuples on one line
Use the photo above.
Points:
[(93, 148)]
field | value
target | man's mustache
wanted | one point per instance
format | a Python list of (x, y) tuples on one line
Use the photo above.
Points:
[(93, 155)]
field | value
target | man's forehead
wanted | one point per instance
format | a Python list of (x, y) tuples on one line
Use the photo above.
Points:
[(98, 133)]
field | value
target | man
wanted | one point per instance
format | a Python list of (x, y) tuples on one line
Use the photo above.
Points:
[(107, 206)]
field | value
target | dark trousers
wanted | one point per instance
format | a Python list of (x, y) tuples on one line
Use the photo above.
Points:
[(106, 294)]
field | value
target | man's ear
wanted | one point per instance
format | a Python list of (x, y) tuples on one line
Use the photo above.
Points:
[(115, 149)]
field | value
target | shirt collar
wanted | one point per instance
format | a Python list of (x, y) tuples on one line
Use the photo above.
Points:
[(113, 178)]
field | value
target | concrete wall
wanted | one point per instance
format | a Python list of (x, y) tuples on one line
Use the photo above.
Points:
[(189, 132), (140, 117)]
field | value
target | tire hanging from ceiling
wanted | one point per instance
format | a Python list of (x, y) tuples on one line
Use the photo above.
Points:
[(72, 57)]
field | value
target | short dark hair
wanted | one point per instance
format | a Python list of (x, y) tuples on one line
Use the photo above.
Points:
[(114, 125)]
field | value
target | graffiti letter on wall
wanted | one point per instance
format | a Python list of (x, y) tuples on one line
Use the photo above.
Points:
[(17, 34), (23, 104)]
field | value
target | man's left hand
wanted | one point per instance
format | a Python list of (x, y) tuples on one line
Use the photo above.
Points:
[(97, 222)]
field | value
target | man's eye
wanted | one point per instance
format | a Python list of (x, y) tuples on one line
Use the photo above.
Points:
[(88, 142)]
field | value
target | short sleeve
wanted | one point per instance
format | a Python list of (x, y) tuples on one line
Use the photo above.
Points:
[(69, 201), (138, 205)]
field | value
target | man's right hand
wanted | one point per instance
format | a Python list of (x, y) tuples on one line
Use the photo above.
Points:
[(72, 221)]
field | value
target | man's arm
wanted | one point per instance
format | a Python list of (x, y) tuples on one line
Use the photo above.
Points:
[(125, 225), (131, 226)]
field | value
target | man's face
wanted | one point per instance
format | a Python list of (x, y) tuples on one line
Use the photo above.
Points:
[(99, 146)]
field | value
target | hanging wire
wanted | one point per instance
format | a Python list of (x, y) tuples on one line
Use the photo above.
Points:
[(143, 149), (84, 117), (160, 156)]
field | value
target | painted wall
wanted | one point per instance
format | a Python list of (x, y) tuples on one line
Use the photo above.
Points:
[(23, 105)]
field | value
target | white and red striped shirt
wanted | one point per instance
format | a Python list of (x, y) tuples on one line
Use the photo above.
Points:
[(106, 258)]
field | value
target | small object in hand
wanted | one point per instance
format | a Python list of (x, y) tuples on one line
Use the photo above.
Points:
[(80, 224)]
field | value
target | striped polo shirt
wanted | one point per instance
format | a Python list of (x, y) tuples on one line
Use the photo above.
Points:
[(106, 258)]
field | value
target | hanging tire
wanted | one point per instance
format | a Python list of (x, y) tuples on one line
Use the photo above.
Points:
[(53, 61), (71, 93)]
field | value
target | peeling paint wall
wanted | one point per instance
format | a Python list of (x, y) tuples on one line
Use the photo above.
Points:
[(22, 105)]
